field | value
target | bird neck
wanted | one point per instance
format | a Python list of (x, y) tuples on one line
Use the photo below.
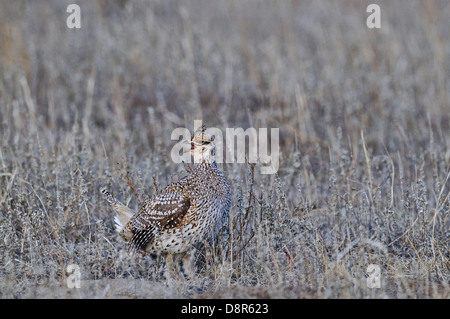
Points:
[(207, 158)]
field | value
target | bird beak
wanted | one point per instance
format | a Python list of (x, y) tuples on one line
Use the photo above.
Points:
[(191, 146)]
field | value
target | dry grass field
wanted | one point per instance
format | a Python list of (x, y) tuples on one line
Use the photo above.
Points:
[(364, 119)]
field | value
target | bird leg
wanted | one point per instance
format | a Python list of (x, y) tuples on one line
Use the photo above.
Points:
[(172, 268), (188, 261), (169, 271)]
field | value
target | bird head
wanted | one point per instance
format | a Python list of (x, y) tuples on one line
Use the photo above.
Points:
[(202, 146)]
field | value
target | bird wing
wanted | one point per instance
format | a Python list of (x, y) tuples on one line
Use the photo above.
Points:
[(164, 211)]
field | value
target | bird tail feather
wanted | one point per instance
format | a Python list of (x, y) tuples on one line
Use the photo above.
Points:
[(123, 213)]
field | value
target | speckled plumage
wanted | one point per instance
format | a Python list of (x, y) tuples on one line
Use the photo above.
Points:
[(182, 214)]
